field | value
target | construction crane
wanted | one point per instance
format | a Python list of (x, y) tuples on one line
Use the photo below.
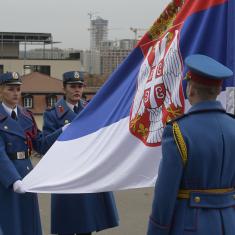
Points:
[(136, 30)]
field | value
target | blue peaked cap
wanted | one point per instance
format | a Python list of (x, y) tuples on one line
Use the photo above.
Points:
[(207, 67), (10, 78), (73, 77)]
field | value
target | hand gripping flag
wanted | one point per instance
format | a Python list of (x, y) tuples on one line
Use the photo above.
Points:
[(115, 143)]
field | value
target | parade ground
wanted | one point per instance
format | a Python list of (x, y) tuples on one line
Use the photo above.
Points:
[(134, 207)]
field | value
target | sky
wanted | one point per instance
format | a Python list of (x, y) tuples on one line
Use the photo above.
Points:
[(68, 20)]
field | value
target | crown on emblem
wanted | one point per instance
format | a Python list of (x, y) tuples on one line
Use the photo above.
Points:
[(76, 75), (15, 75)]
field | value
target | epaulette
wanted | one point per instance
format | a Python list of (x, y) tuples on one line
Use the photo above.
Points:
[(29, 114), (170, 122), (26, 112)]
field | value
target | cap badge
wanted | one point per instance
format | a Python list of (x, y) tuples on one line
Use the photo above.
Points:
[(76, 75), (15, 75)]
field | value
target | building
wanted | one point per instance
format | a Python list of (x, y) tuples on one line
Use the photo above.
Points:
[(11, 60), (94, 66), (112, 54), (40, 91), (54, 54), (98, 34)]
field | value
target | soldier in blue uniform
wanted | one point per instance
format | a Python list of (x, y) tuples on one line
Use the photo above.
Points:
[(19, 213), (194, 193), (76, 213)]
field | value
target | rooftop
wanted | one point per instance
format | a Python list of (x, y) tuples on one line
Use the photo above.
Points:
[(41, 83), (28, 38)]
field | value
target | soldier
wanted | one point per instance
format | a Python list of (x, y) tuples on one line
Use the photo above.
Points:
[(19, 212), (194, 193), (76, 213)]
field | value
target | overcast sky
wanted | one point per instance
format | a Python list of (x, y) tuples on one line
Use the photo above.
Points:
[(68, 20)]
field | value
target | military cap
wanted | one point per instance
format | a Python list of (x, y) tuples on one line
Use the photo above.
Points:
[(73, 77), (205, 70), (10, 78)]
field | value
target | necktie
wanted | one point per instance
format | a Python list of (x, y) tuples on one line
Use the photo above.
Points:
[(13, 115), (75, 109)]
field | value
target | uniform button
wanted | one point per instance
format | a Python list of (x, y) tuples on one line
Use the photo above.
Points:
[(28, 168), (5, 127), (66, 121), (197, 199)]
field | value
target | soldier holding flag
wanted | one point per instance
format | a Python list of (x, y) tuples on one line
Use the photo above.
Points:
[(19, 213), (194, 193), (76, 213)]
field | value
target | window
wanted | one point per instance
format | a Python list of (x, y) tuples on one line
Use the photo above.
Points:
[(45, 69), (51, 100), (28, 102)]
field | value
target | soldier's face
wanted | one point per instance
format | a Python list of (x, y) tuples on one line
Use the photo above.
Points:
[(11, 94), (73, 92)]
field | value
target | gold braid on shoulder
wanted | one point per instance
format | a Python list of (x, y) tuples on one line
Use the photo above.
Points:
[(179, 139)]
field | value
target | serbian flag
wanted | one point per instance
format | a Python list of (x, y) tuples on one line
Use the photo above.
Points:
[(115, 142)]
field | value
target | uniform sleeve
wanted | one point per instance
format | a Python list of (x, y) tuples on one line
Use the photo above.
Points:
[(45, 139), (49, 123), (8, 172), (167, 186)]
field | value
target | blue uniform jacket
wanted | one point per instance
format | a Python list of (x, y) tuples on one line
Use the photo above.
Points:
[(77, 213), (19, 213), (209, 134)]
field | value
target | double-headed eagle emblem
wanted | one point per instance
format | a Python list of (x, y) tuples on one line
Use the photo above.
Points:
[(159, 96)]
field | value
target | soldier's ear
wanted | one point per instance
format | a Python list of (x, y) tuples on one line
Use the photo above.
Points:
[(64, 87), (191, 91)]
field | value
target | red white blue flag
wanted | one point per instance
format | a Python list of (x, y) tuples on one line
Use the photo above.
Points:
[(115, 143)]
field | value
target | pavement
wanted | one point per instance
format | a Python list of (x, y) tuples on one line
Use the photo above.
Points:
[(133, 207)]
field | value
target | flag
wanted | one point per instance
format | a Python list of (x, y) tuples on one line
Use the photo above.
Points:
[(115, 142)]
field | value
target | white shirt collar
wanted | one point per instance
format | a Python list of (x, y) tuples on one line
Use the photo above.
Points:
[(9, 110), (71, 106)]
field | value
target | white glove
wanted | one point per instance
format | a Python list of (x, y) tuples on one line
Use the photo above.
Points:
[(18, 187), (65, 127)]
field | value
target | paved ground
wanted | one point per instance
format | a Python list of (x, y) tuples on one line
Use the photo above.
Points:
[(133, 206)]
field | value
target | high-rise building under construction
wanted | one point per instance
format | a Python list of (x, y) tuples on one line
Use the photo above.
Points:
[(98, 32)]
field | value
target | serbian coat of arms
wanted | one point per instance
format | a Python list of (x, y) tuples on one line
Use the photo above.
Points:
[(159, 95)]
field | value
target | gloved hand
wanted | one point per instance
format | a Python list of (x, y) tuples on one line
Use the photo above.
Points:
[(65, 127), (18, 187)]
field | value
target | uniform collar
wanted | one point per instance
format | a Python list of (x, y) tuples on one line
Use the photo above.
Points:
[(207, 106), (9, 110), (71, 106)]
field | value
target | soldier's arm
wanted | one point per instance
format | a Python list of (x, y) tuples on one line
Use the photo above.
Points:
[(43, 140), (8, 172), (167, 186), (49, 122)]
